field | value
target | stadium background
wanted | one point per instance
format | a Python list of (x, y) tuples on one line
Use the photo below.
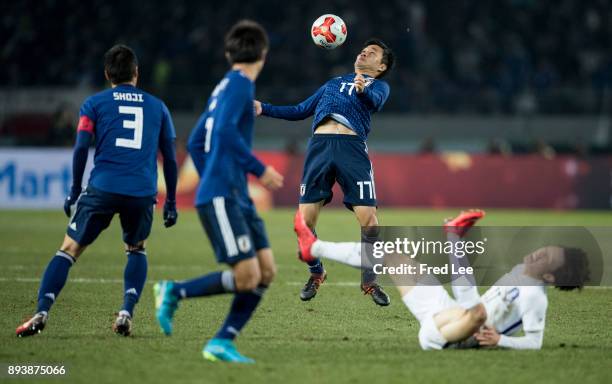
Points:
[(511, 96)]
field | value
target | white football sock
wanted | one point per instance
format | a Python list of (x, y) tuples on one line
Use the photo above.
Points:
[(466, 295), (345, 253), (464, 286)]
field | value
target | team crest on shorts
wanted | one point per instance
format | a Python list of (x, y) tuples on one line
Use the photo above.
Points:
[(244, 243), (302, 189)]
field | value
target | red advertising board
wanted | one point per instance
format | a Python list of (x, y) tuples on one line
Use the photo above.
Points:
[(452, 180)]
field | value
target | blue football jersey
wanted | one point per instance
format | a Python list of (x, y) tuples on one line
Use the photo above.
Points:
[(127, 124), (339, 100), (220, 143)]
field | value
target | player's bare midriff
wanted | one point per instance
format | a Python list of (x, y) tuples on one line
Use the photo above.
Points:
[(331, 126)]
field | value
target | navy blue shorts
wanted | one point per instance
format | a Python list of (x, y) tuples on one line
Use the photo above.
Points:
[(235, 232), (95, 210), (338, 158)]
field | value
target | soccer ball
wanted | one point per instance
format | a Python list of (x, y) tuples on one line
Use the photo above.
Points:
[(328, 31)]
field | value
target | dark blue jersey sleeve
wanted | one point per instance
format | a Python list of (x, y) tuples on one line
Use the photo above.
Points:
[(195, 145), (85, 135), (87, 109), (79, 158), (168, 150), (167, 127), (375, 95), (294, 112), (238, 99)]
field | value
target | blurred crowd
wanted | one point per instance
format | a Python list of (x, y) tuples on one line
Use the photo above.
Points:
[(454, 56)]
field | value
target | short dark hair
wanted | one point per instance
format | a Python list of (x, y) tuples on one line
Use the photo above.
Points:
[(246, 42), (575, 270), (388, 57), (120, 64)]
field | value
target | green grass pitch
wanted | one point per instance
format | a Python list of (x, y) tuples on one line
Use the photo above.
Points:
[(340, 336)]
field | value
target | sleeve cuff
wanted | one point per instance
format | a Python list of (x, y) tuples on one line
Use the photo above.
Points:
[(265, 108), (259, 169), (503, 342), (365, 93)]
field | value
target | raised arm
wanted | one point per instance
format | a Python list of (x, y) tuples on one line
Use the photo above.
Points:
[(291, 112)]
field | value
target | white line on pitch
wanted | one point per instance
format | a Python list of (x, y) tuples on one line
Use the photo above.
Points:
[(87, 280)]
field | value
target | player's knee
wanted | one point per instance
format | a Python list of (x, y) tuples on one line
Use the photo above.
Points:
[(478, 315), (71, 247), (371, 220), (267, 274), (367, 216), (138, 247), (247, 280)]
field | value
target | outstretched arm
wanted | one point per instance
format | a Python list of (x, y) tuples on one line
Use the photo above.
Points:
[(531, 340), (292, 112), (488, 337)]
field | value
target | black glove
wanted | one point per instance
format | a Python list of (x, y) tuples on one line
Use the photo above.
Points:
[(170, 213), (71, 200)]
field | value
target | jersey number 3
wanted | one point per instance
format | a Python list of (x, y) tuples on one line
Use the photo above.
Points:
[(136, 125)]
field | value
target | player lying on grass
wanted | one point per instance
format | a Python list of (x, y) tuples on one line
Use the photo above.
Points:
[(129, 126), (220, 146), (516, 301), (337, 151)]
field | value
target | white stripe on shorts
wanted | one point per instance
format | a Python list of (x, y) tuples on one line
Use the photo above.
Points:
[(224, 225)]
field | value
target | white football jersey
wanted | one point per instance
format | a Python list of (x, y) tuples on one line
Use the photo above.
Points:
[(516, 302)]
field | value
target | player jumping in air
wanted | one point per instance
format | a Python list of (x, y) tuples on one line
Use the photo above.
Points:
[(516, 301), (129, 126), (220, 146), (337, 151)]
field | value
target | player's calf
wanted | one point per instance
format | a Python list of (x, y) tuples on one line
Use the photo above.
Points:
[(369, 235), (267, 266), (134, 277), (247, 275)]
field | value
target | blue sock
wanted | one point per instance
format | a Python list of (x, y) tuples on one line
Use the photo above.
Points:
[(369, 235), (53, 280), (242, 309), (315, 266), (212, 284), (368, 277), (134, 277)]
